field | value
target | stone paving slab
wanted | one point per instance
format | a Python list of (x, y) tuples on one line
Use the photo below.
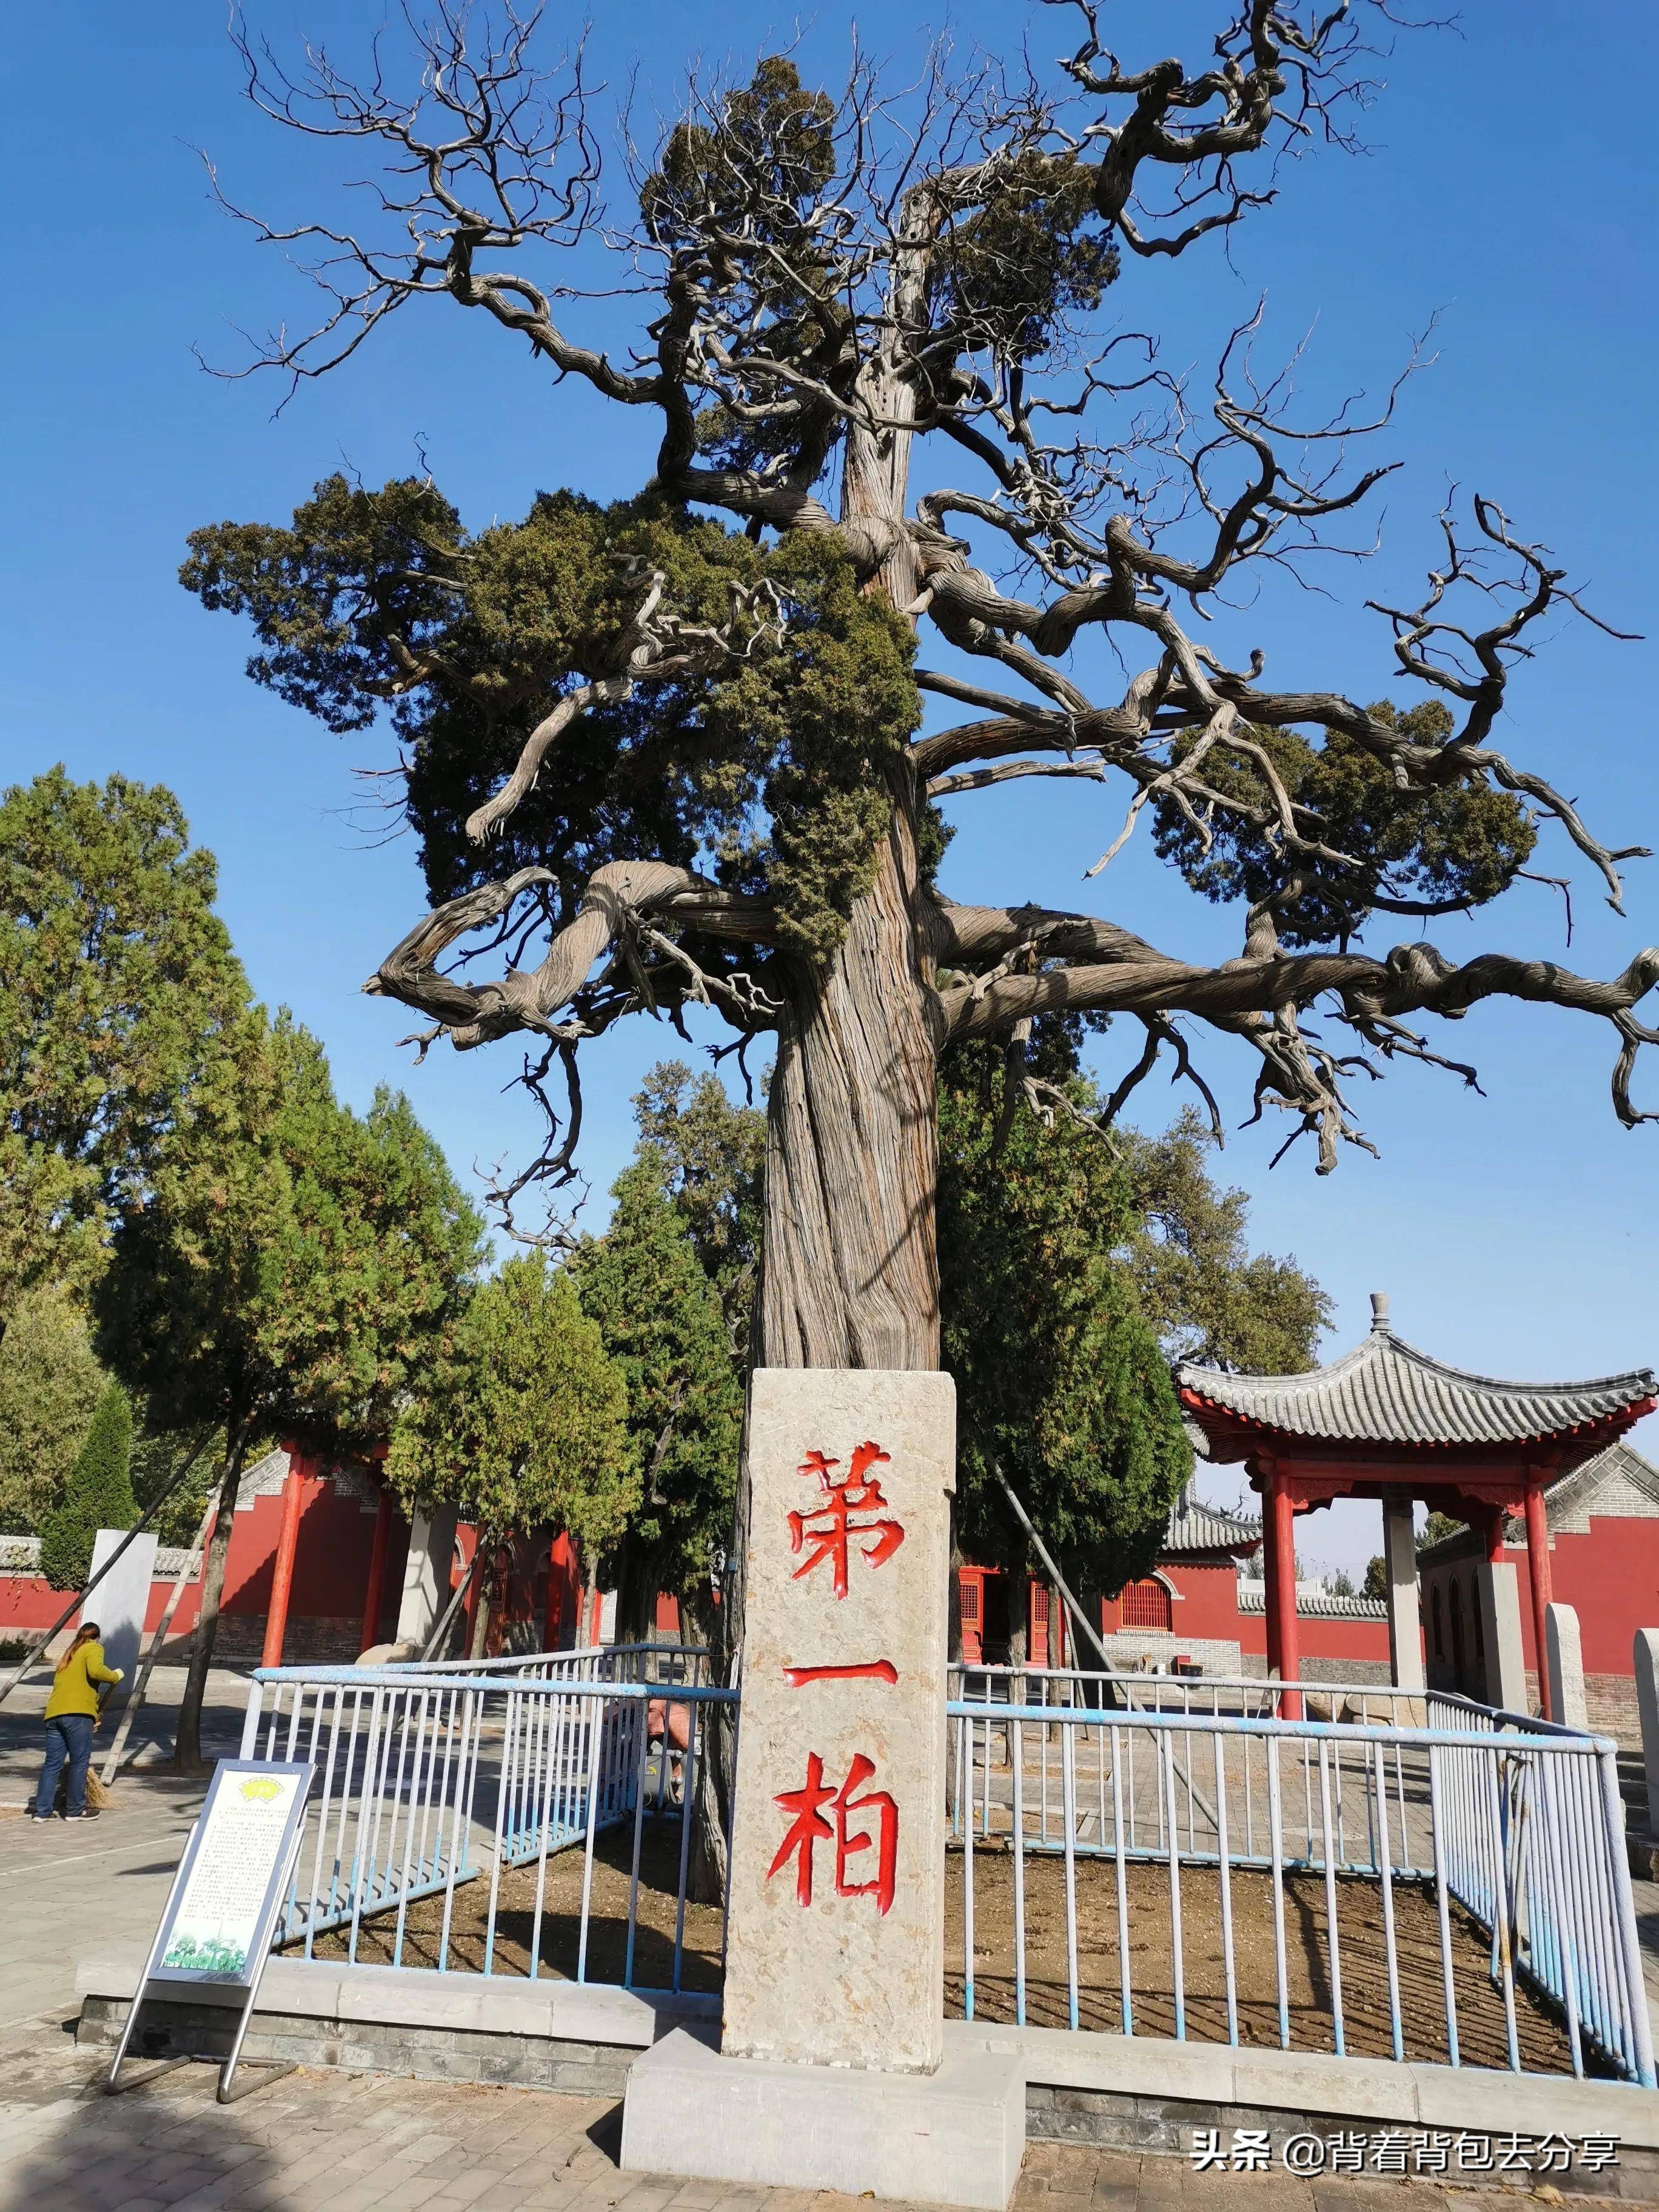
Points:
[(368, 2143)]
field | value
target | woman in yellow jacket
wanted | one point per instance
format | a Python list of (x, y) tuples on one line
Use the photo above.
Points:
[(71, 1713)]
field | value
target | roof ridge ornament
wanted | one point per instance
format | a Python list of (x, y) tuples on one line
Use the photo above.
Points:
[(1380, 1311)]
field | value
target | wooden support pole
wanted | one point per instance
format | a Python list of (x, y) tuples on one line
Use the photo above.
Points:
[(1283, 1539), (282, 1578), (1539, 1581), (371, 1629)]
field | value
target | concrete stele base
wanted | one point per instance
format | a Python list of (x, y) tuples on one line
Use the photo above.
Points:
[(953, 2137)]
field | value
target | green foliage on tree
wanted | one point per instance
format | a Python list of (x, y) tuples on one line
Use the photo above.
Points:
[(1458, 843), (117, 985), (523, 1422), (659, 1314), (1060, 1381), (1437, 1529), (98, 1495), (374, 596), (1376, 1584), (50, 1382), (1207, 1296), (295, 1268), (711, 1156), (197, 1455)]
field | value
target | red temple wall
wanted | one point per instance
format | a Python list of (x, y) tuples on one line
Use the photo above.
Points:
[(1609, 1574)]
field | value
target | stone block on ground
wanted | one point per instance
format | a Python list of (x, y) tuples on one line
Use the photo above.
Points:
[(954, 2137), (1645, 1655), (1564, 1657), (119, 1603)]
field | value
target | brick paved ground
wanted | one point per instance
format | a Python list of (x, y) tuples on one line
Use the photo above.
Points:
[(365, 2143)]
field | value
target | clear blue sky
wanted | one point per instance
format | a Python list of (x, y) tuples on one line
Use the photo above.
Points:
[(1504, 185)]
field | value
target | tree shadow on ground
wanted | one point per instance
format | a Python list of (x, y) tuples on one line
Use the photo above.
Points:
[(157, 2142)]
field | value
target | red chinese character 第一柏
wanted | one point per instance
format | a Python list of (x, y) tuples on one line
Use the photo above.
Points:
[(809, 1828), (828, 1525)]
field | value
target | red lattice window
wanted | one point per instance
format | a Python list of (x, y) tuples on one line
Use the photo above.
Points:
[(969, 1586), (1144, 1604)]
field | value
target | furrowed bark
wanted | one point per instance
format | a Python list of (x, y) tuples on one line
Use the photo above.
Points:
[(850, 1271)]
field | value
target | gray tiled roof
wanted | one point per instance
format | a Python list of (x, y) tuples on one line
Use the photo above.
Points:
[(1319, 1605), (1194, 1526), (1385, 1391), (20, 1555)]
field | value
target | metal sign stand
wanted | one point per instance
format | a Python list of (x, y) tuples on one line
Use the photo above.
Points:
[(276, 1890)]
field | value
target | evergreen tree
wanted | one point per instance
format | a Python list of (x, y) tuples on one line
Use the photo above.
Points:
[(660, 1317), (98, 1494), (1205, 1293), (1128, 1229), (117, 986), (1061, 1384), (295, 1268), (50, 1382), (712, 1156), (658, 759), (1437, 1529), (523, 1423)]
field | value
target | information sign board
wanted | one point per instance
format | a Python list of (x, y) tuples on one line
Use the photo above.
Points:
[(228, 1895), (221, 1916)]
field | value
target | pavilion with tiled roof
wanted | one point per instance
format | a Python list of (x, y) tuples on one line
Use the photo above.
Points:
[(1198, 1531), (1389, 1422)]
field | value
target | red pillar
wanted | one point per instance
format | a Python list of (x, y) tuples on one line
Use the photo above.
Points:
[(371, 1629), (1269, 1578), (1538, 1577), (282, 1579), (1282, 1536), (470, 1602)]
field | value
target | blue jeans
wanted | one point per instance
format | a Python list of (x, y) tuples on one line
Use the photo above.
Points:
[(69, 1735)]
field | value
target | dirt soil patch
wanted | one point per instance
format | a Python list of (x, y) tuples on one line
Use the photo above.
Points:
[(560, 1928), (1361, 1956), (1480, 2003)]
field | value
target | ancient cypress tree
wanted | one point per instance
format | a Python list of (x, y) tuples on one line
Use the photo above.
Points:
[(50, 1385), (656, 757)]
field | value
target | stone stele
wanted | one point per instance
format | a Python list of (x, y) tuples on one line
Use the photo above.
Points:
[(835, 1951)]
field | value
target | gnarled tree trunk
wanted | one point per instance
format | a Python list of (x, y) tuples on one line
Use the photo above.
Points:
[(849, 1263)]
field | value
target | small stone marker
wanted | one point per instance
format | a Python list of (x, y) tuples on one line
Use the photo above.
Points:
[(1564, 1654), (1646, 1654), (836, 1948), (1405, 1619), (121, 1602), (1500, 1621)]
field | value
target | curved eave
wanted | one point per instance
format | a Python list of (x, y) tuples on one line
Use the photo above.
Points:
[(1225, 1424)]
